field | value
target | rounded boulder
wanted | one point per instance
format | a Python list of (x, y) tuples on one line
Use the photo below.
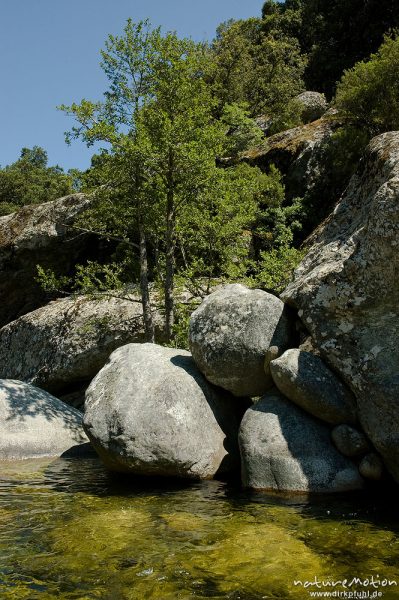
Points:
[(149, 411), (231, 333), (34, 424), (285, 449), (305, 379)]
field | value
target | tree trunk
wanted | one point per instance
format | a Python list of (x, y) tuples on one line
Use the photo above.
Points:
[(144, 287), (170, 250)]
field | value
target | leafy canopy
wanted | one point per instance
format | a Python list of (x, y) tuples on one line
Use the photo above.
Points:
[(369, 92), (333, 34), (258, 68), (30, 181)]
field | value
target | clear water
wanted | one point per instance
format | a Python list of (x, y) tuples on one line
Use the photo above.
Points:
[(70, 530)]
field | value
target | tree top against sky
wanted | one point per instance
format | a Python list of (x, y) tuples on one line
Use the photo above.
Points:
[(52, 57)]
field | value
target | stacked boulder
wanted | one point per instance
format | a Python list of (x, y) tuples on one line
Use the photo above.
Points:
[(163, 412), (314, 415), (242, 341), (231, 333)]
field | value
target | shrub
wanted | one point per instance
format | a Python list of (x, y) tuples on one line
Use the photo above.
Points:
[(369, 92)]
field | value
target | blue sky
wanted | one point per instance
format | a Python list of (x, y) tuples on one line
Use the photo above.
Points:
[(49, 53)]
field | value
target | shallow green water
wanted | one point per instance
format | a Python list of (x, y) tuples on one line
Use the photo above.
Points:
[(69, 530)]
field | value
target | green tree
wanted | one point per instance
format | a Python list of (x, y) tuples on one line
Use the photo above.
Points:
[(369, 92), (242, 132), (30, 181), (260, 68), (334, 34), (158, 121), (159, 191)]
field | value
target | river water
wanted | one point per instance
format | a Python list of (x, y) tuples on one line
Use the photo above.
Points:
[(70, 530)]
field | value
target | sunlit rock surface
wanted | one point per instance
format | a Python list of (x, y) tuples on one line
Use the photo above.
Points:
[(347, 294), (34, 424), (68, 341), (231, 333), (150, 411)]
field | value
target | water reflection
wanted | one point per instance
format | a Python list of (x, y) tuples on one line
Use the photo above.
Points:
[(69, 529)]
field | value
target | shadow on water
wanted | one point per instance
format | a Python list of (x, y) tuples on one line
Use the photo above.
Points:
[(376, 505), (89, 476), (160, 538)]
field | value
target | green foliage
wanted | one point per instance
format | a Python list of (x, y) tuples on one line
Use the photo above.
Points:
[(7, 208), (346, 148), (93, 277), (277, 224), (276, 221), (163, 139), (262, 69), (242, 132), (90, 279), (179, 219), (333, 34), (275, 268), (30, 181), (51, 283), (181, 325), (369, 92), (214, 234)]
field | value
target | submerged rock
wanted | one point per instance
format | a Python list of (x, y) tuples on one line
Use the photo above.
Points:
[(231, 333), (285, 449), (151, 412), (346, 290), (306, 380), (35, 424), (68, 341)]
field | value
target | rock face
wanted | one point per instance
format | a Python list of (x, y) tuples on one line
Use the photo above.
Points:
[(302, 155), (313, 104), (38, 234), (34, 424), (231, 333), (285, 449), (68, 341), (306, 380), (150, 412), (346, 290)]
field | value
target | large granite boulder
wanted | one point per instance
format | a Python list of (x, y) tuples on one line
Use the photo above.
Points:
[(35, 424), (39, 234), (231, 333), (306, 380), (285, 449), (347, 294), (149, 411), (63, 345)]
